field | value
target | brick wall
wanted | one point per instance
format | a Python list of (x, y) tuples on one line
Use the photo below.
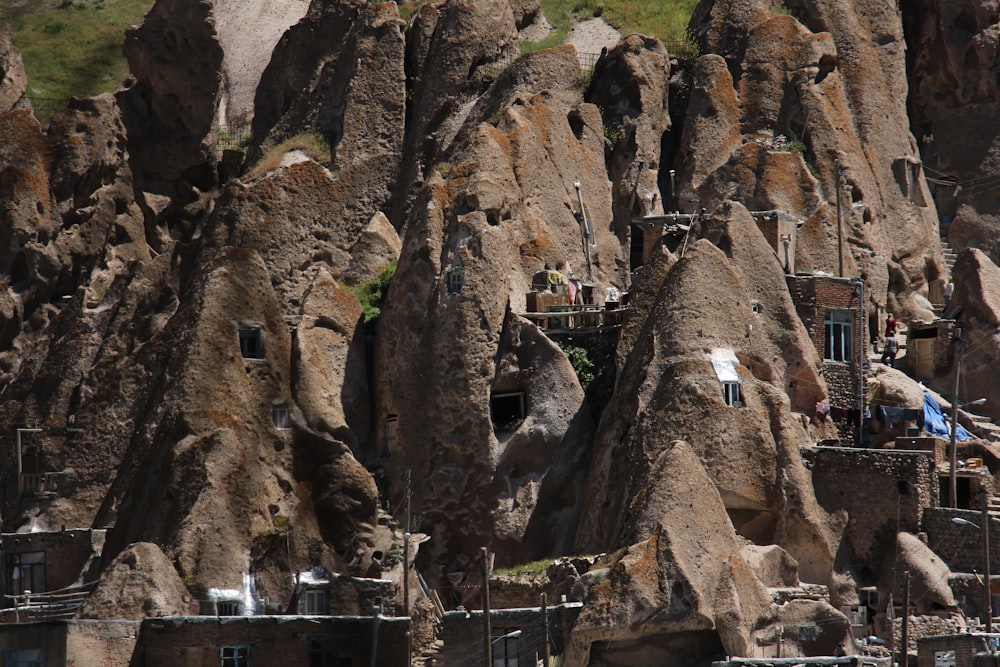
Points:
[(813, 296)]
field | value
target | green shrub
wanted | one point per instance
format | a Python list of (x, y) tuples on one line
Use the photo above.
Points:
[(371, 293), (582, 364)]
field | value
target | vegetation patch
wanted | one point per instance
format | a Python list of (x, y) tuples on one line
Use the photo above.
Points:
[(666, 20), (371, 293), (582, 364), (71, 47), (535, 567), (313, 144)]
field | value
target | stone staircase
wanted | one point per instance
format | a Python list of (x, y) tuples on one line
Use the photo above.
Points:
[(949, 259), (993, 506), (949, 253)]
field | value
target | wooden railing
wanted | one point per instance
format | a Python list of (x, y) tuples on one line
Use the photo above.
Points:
[(51, 605), (575, 317), (38, 482)]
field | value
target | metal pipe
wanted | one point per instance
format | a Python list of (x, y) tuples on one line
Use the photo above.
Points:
[(862, 347), (487, 631), (953, 454), (585, 226), (987, 584)]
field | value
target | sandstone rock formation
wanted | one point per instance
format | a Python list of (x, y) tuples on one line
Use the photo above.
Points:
[(171, 108), (827, 77), (140, 582), (630, 85), (248, 33), (669, 390), (505, 211), (202, 378), (13, 81), (977, 288), (955, 97)]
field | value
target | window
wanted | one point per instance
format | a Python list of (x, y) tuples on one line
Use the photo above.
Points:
[(252, 342), (313, 602), (25, 572), (23, 657), (456, 279), (229, 608), (235, 656), (732, 393), (279, 415), (391, 433), (505, 648), (330, 652), (507, 411), (839, 330)]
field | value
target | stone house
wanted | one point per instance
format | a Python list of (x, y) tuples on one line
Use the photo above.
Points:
[(44, 562), (247, 641), (82, 643), (833, 313)]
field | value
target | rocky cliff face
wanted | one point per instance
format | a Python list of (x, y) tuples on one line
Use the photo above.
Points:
[(183, 344)]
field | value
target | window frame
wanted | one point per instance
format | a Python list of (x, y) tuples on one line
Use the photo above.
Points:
[(313, 599), (23, 657), (35, 566), (732, 393), (251, 333), (239, 655), (502, 656), (838, 335)]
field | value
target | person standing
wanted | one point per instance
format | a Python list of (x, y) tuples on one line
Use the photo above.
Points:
[(891, 348), (890, 325)]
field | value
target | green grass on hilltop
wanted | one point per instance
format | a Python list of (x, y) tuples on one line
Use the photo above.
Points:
[(666, 20), (72, 47)]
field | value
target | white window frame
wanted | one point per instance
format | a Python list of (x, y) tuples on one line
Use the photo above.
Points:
[(279, 416), (732, 394), (838, 335)]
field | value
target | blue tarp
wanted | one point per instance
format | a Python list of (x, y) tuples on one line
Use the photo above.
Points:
[(934, 421)]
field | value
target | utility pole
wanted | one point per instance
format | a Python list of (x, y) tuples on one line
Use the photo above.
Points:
[(987, 584), (953, 461), (905, 638), (546, 656), (585, 226), (840, 222), (487, 631)]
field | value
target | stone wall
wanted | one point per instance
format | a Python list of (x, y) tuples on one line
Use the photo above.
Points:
[(965, 647), (813, 296), (883, 492), (960, 546)]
